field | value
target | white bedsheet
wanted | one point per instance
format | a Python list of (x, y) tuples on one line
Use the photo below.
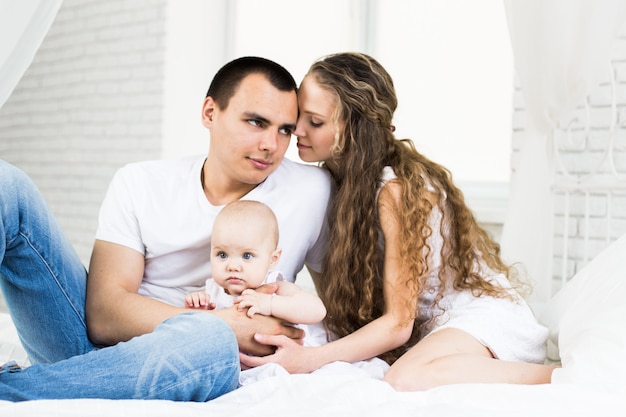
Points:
[(354, 395), (339, 389), (587, 320)]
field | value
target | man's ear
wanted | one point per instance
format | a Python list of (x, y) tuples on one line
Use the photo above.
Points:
[(208, 111), (276, 257)]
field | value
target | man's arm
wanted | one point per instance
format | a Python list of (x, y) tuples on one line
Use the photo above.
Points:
[(115, 312)]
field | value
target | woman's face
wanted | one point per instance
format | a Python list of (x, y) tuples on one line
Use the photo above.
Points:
[(315, 129)]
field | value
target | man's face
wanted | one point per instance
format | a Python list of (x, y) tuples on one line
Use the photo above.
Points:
[(250, 137)]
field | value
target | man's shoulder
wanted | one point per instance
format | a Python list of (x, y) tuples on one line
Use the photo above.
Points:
[(163, 164), (294, 186), (296, 171), (161, 168)]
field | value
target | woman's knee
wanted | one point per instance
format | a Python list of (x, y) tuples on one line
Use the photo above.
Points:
[(419, 376), (402, 379)]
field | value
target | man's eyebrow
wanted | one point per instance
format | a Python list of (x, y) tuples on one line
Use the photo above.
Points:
[(256, 116)]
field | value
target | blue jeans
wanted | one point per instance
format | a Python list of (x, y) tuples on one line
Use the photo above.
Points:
[(190, 357)]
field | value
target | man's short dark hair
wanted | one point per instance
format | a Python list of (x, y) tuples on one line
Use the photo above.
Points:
[(228, 78)]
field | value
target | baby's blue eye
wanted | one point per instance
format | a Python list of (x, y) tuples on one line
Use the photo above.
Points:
[(248, 256), (222, 255)]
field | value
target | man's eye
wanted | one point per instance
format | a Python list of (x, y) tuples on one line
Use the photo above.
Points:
[(286, 131), (255, 122)]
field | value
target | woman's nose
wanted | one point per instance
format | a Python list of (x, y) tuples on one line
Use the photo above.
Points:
[(299, 130)]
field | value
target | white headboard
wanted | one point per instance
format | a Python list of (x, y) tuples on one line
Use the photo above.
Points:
[(590, 184)]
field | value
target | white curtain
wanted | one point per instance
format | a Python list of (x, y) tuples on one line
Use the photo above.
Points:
[(23, 25), (562, 49)]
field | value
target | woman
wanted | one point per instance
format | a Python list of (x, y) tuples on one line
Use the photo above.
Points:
[(402, 236)]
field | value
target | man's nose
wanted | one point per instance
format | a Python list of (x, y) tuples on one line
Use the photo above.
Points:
[(270, 141)]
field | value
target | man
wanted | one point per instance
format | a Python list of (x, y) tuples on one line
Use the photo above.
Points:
[(152, 247)]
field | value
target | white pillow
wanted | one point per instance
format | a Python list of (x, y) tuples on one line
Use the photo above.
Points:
[(587, 321)]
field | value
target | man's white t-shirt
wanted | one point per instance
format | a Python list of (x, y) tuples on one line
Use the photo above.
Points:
[(159, 209)]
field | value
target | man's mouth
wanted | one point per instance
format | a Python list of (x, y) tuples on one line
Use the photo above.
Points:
[(260, 163)]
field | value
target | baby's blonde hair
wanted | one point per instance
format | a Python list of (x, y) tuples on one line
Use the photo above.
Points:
[(250, 212)]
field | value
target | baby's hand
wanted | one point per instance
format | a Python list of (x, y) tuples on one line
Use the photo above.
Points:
[(255, 302), (199, 300)]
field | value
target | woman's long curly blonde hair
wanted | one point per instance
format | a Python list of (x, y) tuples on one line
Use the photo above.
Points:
[(352, 279)]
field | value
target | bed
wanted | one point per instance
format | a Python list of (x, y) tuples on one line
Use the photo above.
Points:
[(587, 321)]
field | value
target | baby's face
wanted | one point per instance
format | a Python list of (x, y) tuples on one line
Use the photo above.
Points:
[(240, 259)]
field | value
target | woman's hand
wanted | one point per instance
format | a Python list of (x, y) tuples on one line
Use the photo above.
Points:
[(292, 356)]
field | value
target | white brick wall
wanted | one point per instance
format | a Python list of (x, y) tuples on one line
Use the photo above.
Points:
[(94, 99), (594, 213), (90, 102)]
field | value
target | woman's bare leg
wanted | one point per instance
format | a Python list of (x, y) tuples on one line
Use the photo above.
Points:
[(452, 356)]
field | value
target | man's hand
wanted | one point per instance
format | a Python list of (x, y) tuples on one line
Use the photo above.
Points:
[(246, 327)]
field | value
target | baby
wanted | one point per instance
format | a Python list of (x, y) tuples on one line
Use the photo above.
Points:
[(244, 249)]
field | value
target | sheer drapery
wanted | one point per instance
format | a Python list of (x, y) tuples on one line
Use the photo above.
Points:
[(562, 49), (23, 25)]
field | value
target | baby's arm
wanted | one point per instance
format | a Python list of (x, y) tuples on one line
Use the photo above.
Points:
[(199, 300), (289, 303)]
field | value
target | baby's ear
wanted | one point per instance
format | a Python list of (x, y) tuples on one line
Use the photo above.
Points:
[(276, 257)]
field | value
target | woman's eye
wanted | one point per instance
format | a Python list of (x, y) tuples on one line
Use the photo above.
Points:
[(316, 124)]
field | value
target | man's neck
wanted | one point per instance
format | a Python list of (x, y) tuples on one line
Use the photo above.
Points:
[(220, 190)]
